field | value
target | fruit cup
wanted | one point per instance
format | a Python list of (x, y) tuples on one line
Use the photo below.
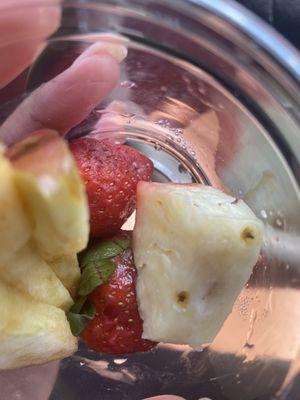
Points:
[(210, 94)]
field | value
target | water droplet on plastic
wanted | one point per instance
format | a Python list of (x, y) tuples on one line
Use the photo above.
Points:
[(279, 222), (264, 214), (178, 140), (128, 84), (193, 153), (82, 363), (177, 131)]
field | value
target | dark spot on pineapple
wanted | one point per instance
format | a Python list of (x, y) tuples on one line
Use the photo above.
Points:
[(182, 298), (247, 234)]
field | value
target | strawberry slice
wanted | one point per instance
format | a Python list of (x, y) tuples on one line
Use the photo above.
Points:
[(117, 326), (111, 173)]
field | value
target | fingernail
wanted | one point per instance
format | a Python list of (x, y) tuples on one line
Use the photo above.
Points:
[(116, 50)]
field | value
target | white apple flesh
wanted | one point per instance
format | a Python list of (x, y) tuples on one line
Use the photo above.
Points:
[(194, 248)]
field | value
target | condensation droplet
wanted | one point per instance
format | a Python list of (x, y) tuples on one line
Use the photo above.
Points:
[(177, 131), (279, 222), (128, 84), (178, 140), (264, 214), (82, 363)]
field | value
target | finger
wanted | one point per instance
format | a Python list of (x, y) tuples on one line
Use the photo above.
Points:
[(22, 32), (15, 58), (66, 100), (34, 383)]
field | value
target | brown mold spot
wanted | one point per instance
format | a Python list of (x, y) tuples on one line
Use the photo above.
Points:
[(182, 298), (247, 235)]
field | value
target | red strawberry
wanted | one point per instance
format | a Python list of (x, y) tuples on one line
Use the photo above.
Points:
[(117, 326), (111, 173)]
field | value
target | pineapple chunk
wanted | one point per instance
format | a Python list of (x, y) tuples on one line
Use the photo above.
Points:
[(31, 332), (67, 270), (14, 226), (53, 193), (194, 249), (27, 272)]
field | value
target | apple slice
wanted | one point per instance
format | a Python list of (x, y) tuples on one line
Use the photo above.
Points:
[(14, 226), (67, 270), (194, 249), (31, 332), (29, 273), (53, 193)]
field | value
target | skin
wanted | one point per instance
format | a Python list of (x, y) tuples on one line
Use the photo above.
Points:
[(67, 99), (59, 104)]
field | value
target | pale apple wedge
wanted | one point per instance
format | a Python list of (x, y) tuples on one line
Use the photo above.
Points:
[(194, 249), (53, 193), (29, 273), (31, 332), (67, 270), (14, 226)]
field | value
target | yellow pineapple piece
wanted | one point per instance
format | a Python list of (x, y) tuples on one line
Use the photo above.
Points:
[(29, 273), (67, 270), (53, 193), (14, 226), (31, 332)]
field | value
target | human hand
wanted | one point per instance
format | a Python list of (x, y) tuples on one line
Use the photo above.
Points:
[(67, 99)]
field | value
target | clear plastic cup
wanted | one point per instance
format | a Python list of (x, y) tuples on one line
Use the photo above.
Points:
[(211, 94)]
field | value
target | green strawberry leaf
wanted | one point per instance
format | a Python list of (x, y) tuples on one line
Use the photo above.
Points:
[(97, 267), (123, 243), (79, 321), (103, 251), (78, 305), (95, 275), (88, 310)]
